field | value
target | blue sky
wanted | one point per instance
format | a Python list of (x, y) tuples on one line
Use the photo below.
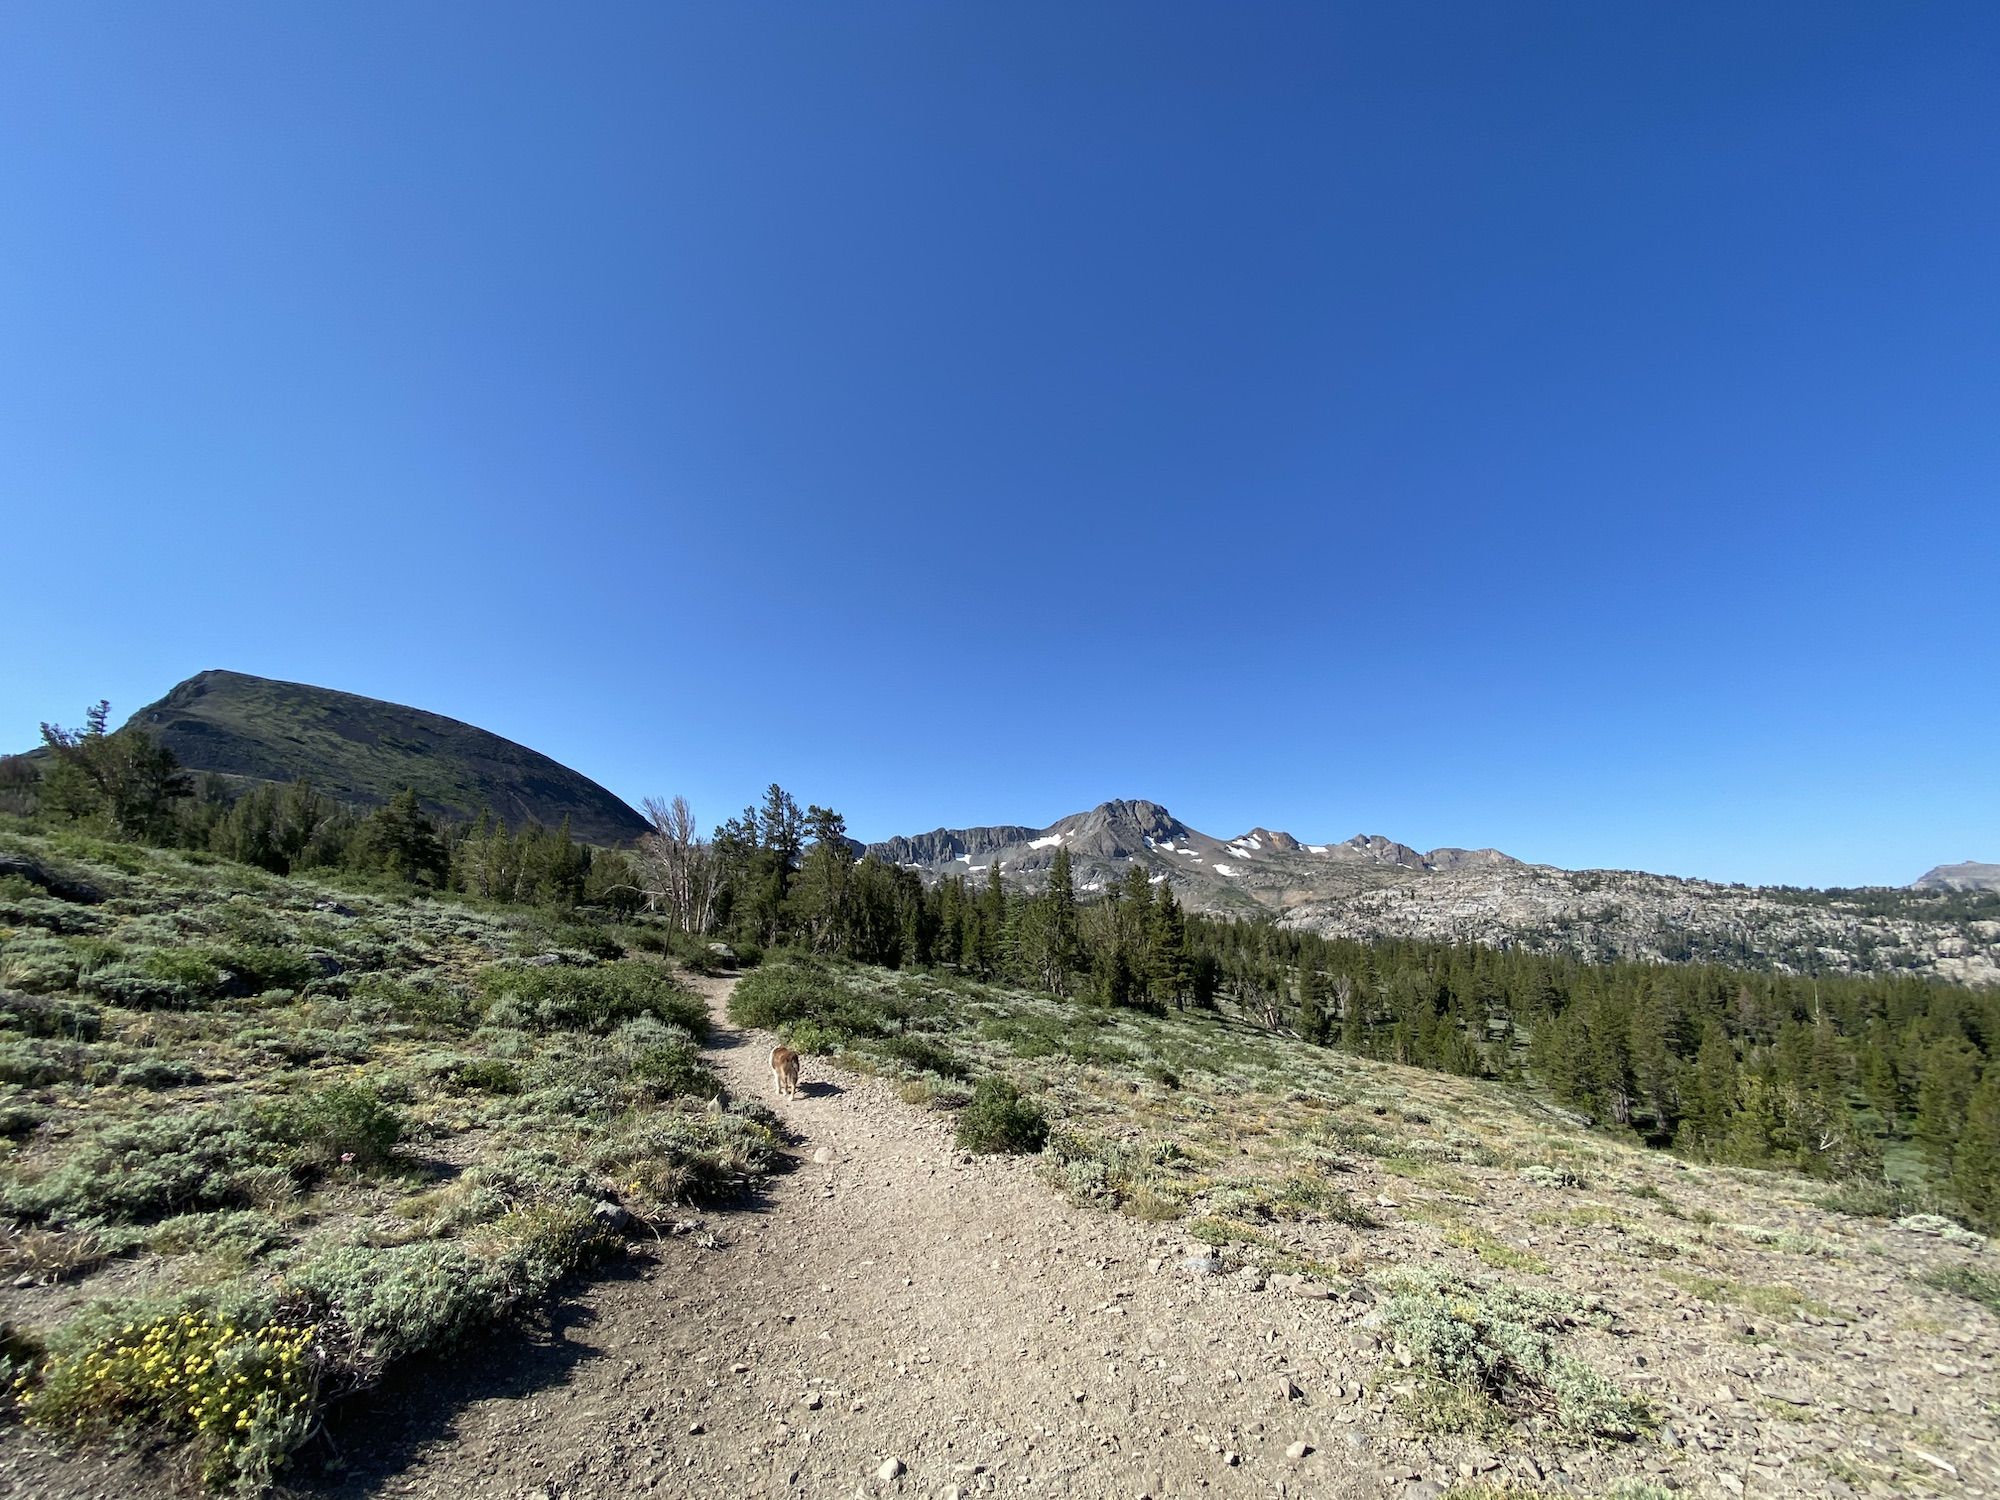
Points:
[(1570, 428)]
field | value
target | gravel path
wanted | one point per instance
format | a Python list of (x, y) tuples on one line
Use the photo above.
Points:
[(894, 1318), (891, 1317)]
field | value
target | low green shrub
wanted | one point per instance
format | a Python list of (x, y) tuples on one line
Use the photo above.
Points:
[(678, 1155), (388, 1302), (262, 967), (159, 1073), (48, 1016), (1309, 1195), (344, 1124), (998, 1120), (240, 1234), (1130, 1177), (488, 1075), (814, 1039), (1879, 1198), (195, 972), (147, 1169), (39, 963), (646, 940), (33, 1060), (134, 986), (1970, 1282), (1484, 1354), (554, 997), (674, 1070), (575, 935), (795, 991), (1543, 1175), (19, 1113), (242, 1397), (419, 1001), (239, 1375), (695, 954), (1080, 1038), (922, 1054)]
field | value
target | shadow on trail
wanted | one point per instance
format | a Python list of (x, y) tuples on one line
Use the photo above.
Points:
[(372, 1437), (723, 1038)]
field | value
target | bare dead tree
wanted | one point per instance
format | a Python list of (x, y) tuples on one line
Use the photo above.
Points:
[(681, 872)]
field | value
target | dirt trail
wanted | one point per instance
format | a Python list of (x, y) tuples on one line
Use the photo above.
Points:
[(889, 1299), (892, 1300)]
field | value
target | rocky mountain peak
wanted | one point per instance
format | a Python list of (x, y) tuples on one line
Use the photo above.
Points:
[(1120, 829), (1968, 875), (1383, 851), (1370, 887), (1264, 838)]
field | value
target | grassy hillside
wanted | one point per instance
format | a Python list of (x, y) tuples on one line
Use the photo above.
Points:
[(261, 1138), (364, 751), (1522, 1281)]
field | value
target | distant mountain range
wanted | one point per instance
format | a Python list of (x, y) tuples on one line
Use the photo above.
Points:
[(1371, 887), (1969, 876), (364, 751)]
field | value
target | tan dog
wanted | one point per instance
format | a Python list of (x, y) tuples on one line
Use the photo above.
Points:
[(785, 1070)]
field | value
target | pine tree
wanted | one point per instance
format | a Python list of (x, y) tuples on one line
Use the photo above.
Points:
[(1204, 980), (1353, 1013), (1975, 1171), (1881, 1081), (1655, 1071), (1829, 1067), (1951, 1070), (1314, 991), (992, 922), (825, 883), (1173, 962), (124, 778), (1712, 1104), (399, 839), (781, 829), (1047, 939), (302, 816), (950, 899)]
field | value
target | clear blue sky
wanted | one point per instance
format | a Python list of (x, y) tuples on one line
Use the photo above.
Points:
[(1571, 428)]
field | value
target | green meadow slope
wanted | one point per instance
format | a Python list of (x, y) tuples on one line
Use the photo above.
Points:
[(265, 1140)]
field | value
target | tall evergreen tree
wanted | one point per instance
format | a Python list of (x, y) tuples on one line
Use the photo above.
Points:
[(1314, 992), (825, 883), (1950, 1074), (1975, 1170), (1173, 963), (125, 778), (1712, 1105), (1047, 939), (401, 840)]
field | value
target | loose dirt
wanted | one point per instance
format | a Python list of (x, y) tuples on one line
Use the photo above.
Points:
[(889, 1302), (893, 1317)]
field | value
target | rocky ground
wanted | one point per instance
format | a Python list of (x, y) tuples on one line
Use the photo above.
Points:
[(893, 1317)]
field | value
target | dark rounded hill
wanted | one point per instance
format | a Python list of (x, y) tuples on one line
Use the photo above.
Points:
[(364, 751)]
